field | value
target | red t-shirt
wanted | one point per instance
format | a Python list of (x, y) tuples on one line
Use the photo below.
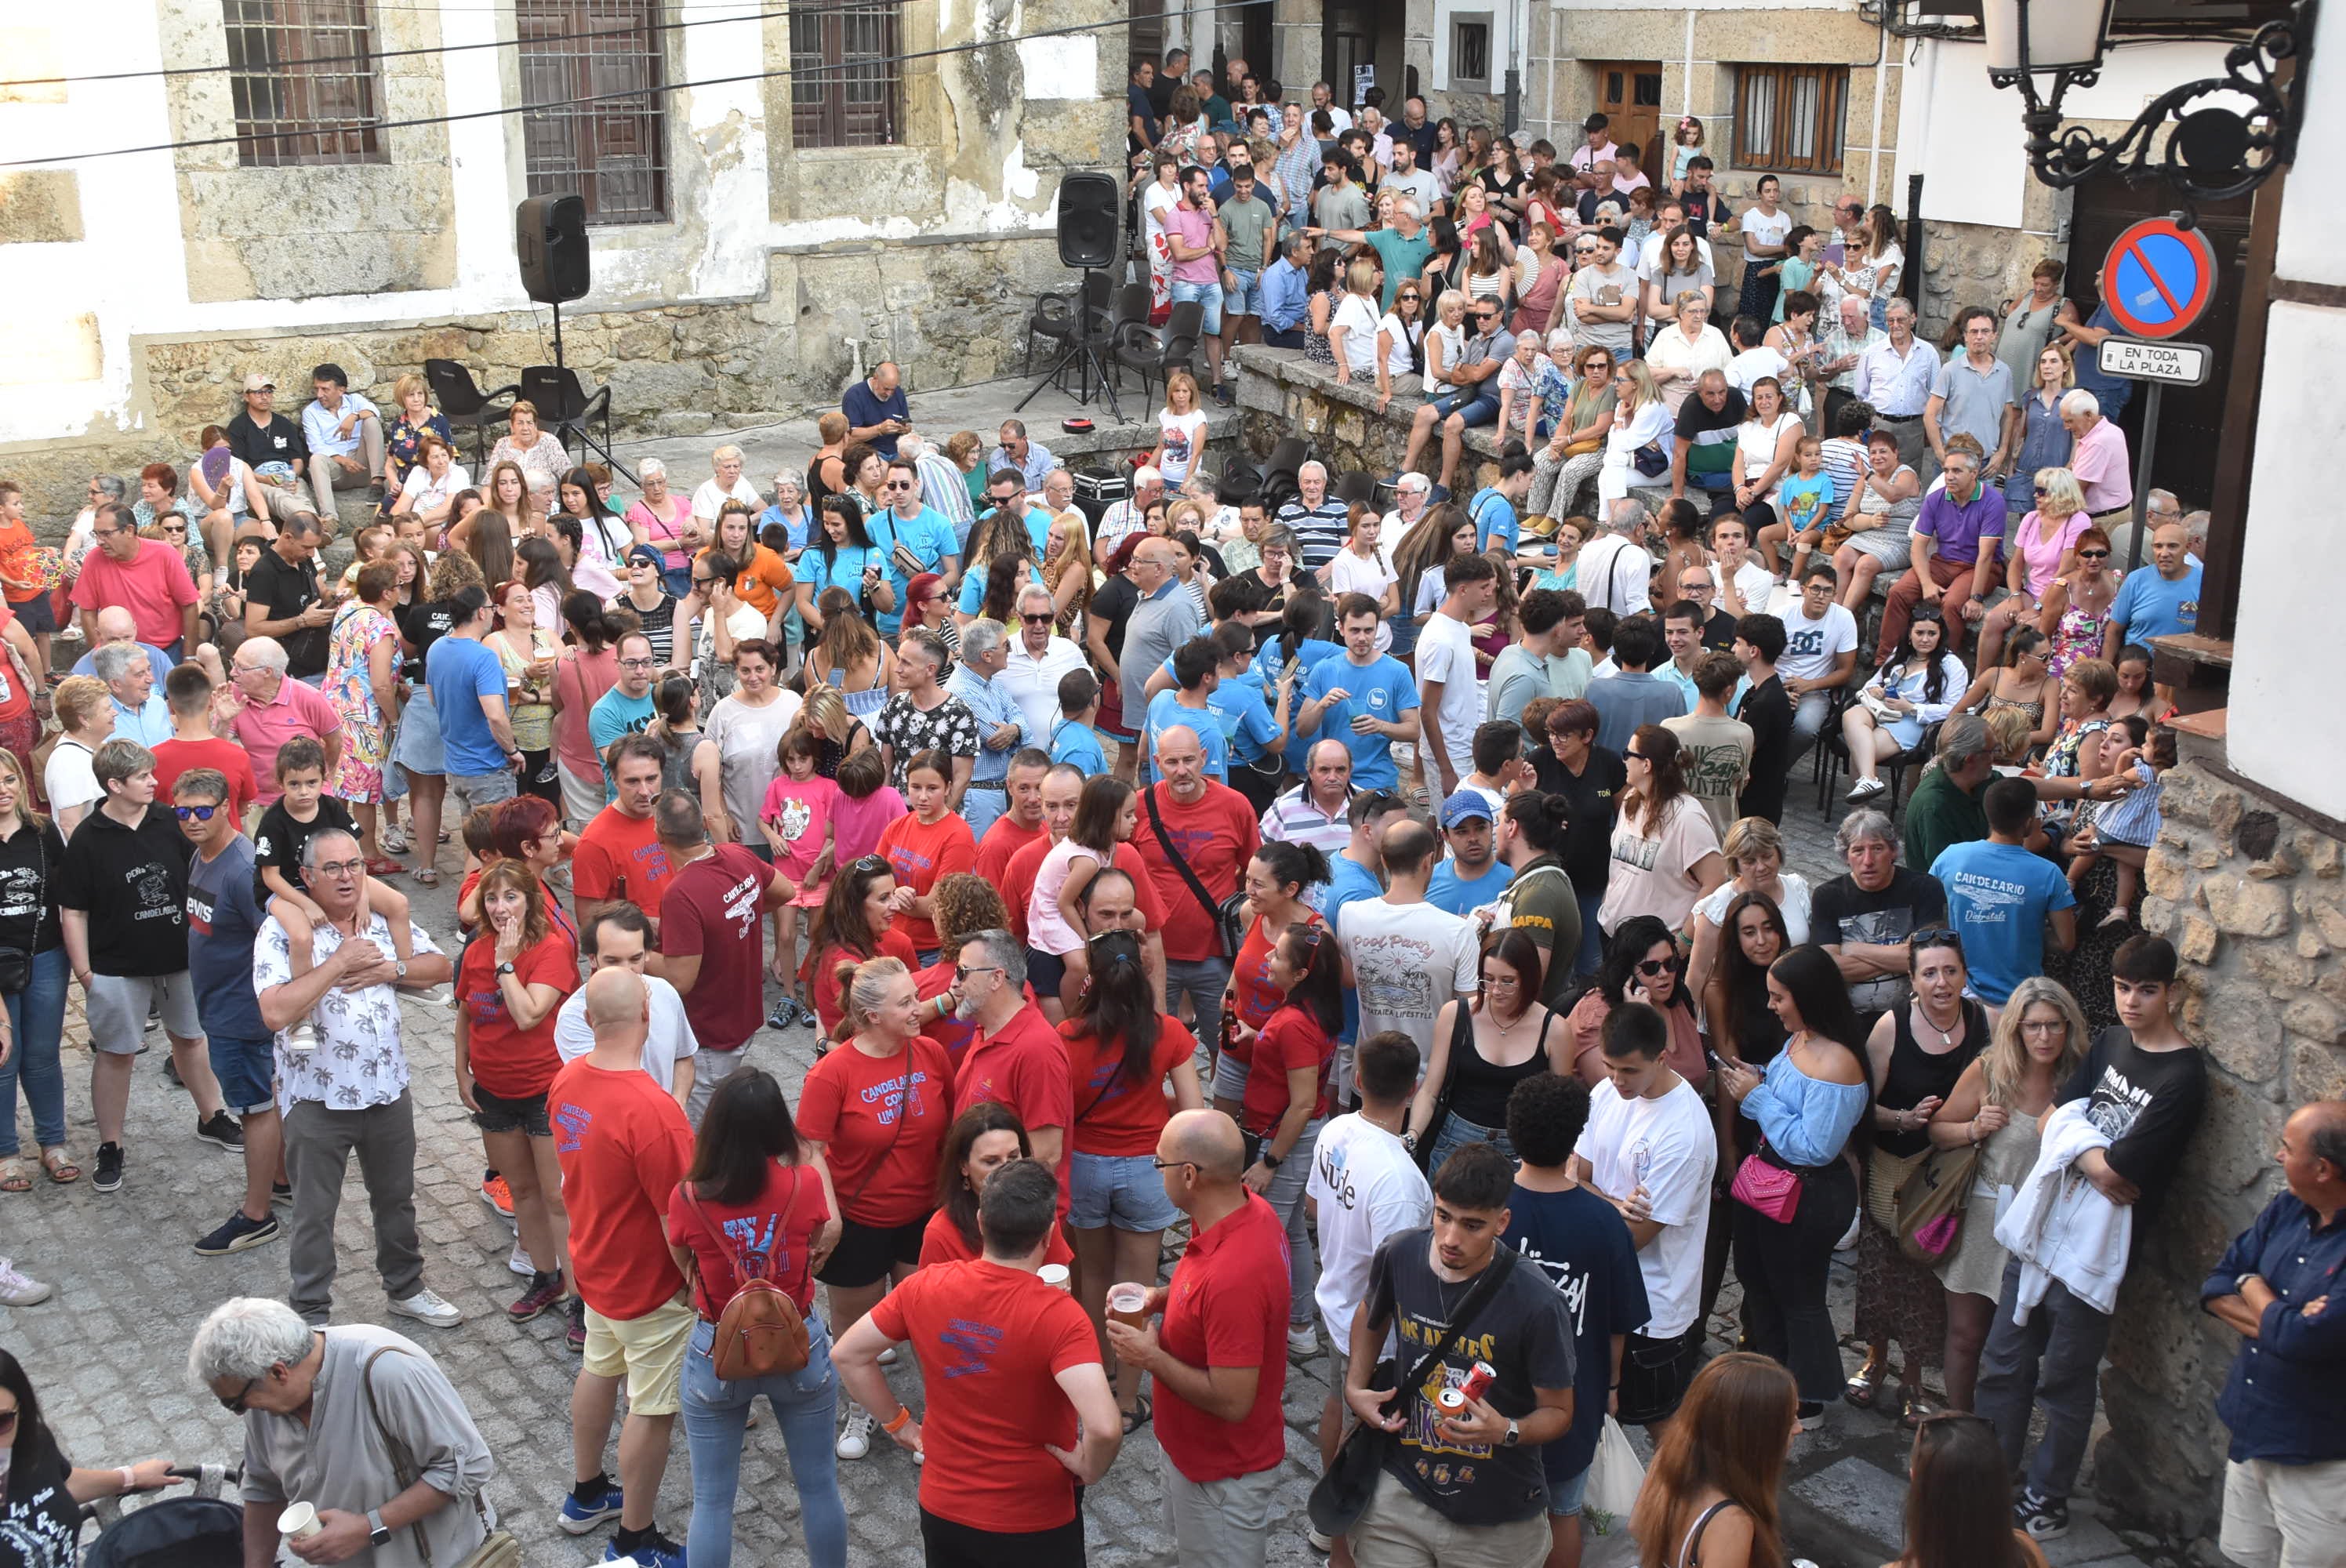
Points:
[(991, 1340), (510, 1062), (1017, 884), (173, 758), (1250, 978), (941, 1243), (1023, 1068), (885, 1170), (1291, 1039), (715, 909), (1227, 1307), (1217, 834), (623, 1144), (1114, 1116), (827, 1008), (773, 1233), (1003, 840), (618, 857), (921, 852), (153, 585)]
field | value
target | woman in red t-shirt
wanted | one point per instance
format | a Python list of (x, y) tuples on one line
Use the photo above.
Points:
[(1275, 879), (755, 1199), (876, 1111), (931, 842), (1132, 1068), (509, 982), (857, 920), (1287, 1093), (981, 1140)]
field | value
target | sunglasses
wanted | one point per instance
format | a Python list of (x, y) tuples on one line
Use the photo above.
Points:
[(197, 813), (1934, 936), (1653, 966), (962, 971), (2093, 555), (8, 1421), (1042, 620), (870, 863), (898, 484), (1635, 756)]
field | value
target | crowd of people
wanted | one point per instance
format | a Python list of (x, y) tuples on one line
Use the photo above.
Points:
[(1390, 908)]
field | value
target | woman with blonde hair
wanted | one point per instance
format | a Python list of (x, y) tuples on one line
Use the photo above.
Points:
[(1754, 851), (1710, 1495), (2039, 1039), (1637, 449), (1352, 330), (838, 734), (1067, 569), (2044, 438), (2039, 550), (84, 708), (400, 436), (1180, 430)]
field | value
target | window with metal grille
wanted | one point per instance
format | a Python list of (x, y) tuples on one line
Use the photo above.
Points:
[(595, 120), (846, 83), (1470, 53), (1789, 117), (303, 82)]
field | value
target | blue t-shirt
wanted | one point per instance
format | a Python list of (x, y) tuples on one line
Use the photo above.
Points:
[(1165, 712), (614, 714), (223, 922), (1076, 745), (1348, 882), (1449, 890), (1807, 504), (462, 672), (928, 536), (2148, 606), (1584, 1246), (864, 407), (1247, 721), (1997, 898), (796, 528), (1382, 689), (845, 570), (1494, 519)]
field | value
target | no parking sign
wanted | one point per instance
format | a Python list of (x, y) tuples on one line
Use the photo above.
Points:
[(2158, 278)]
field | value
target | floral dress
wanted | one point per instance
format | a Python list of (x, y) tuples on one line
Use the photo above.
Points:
[(2077, 636), (1315, 344), (2061, 762), (403, 447), (350, 686)]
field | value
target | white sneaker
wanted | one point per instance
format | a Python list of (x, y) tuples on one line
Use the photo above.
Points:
[(1319, 1543), (1301, 1340), (20, 1289), (302, 1038), (519, 1262), (1865, 789), (425, 1307), (856, 1437)]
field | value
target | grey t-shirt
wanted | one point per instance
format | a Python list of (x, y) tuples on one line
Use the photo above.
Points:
[(1248, 224), (1156, 627)]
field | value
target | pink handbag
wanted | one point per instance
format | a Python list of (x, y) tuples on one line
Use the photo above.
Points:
[(1767, 1189)]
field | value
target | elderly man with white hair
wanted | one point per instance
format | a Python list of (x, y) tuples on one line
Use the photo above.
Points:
[(325, 1410), (274, 709), (726, 483), (1130, 515), (2105, 473), (140, 712), (1317, 519), (1001, 723), (1844, 337), (1038, 659), (1615, 570)]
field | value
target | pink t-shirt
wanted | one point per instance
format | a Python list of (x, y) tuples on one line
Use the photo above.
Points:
[(261, 730), (2099, 462), (1196, 230), (580, 679), (2041, 556), (856, 825), (1048, 930), (663, 531), (799, 810), (153, 585)]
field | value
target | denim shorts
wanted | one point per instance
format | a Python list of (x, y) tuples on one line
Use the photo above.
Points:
[(499, 1115), (247, 1071), (1473, 406), (1119, 1190), (1564, 1497), (1246, 298), (1209, 295)]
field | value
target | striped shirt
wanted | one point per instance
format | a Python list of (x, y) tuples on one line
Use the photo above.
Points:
[(1296, 819), (1320, 529)]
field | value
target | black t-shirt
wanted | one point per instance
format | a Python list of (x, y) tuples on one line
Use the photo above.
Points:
[(29, 864), (1524, 1334), (281, 836), (1702, 211), (2149, 1102), (283, 591), (1720, 634), (1843, 911), (279, 441), (1114, 605), (132, 882), (1768, 711), (1588, 836), (40, 1523), (1581, 1243), (421, 625)]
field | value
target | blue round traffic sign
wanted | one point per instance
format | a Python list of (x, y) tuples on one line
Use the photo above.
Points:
[(2158, 278)]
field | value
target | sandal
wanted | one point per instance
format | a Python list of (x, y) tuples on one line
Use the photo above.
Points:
[(1137, 1417), (1914, 1408), (60, 1166), (12, 1175), (382, 866), (427, 876), (1865, 1387)]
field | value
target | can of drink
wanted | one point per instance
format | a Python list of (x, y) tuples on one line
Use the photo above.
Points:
[(1450, 1401), (1479, 1378)]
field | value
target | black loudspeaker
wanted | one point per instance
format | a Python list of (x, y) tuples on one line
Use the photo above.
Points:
[(550, 239), (1090, 214)]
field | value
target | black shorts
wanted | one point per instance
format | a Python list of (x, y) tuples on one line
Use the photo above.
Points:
[(1655, 1374), (866, 1253), (950, 1546), (499, 1115)]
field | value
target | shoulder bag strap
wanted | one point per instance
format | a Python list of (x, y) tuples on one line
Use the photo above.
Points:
[(1206, 901), (1503, 1263), (1691, 1552), (402, 1465)]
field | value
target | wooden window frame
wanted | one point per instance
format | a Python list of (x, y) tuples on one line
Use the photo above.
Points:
[(1826, 130), (575, 136), (303, 87), (847, 73)]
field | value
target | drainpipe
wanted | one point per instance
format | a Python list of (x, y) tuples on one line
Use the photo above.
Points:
[(1519, 23), (1910, 285)]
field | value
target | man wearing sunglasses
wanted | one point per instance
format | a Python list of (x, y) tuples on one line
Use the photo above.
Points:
[(1474, 401), (916, 536)]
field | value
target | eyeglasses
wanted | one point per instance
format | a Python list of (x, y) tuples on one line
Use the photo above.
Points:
[(1171, 1165), (1653, 966), (234, 1405), (197, 813), (637, 663), (2043, 1027), (104, 532), (2039, 489), (1003, 500), (339, 869)]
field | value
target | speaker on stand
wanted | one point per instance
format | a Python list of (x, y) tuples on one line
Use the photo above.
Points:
[(550, 239), (1090, 222)]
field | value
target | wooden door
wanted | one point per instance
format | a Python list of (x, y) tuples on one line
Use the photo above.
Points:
[(1629, 94)]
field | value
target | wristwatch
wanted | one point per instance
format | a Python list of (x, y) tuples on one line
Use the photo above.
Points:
[(379, 1534), (1513, 1434), (398, 969), (1271, 1161), (503, 970)]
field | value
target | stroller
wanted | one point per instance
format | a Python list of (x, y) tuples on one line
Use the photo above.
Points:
[(192, 1530)]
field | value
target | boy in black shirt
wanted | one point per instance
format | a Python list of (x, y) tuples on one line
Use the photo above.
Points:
[(2145, 1085), (1759, 643)]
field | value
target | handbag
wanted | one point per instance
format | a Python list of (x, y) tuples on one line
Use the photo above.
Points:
[(1224, 913), (1651, 460), (1929, 1204), (1767, 1187), (17, 962), (1342, 1496), (497, 1549)]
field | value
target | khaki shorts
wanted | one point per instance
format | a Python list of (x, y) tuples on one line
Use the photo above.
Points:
[(1219, 1523), (2284, 1515), (1400, 1532), (649, 1351)]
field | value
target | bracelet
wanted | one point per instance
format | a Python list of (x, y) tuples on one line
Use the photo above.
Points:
[(903, 1414)]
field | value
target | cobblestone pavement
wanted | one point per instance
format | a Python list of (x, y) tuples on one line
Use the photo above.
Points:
[(108, 1351)]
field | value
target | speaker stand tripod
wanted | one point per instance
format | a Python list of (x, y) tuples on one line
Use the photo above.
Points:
[(585, 434), (1083, 353)]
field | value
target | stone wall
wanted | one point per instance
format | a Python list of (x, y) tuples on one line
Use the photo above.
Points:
[(2250, 894)]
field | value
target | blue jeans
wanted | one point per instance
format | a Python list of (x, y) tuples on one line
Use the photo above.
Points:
[(1592, 939), (1456, 1132), (36, 1020), (806, 1404), (1210, 295), (983, 805), (1202, 981)]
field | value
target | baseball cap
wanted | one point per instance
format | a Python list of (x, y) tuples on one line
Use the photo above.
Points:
[(646, 553), (256, 382), (1464, 807)]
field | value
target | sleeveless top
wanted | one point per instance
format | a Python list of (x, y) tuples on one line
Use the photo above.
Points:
[(1315, 344), (1482, 1085), (2023, 337), (1689, 1551), (1915, 1074)]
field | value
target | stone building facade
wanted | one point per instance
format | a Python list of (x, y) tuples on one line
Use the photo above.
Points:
[(746, 262)]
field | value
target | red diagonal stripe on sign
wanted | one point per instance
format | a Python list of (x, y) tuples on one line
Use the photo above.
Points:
[(2143, 261)]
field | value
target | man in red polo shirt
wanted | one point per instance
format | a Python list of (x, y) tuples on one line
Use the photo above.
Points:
[(619, 859), (1217, 833), (713, 939), (1220, 1357), (1021, 824), (1017, 1059)]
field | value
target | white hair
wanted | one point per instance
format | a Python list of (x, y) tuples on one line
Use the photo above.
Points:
[(267, 653), (652, 468), (1628, 514), (793, 478), (1308, 467), (1407, 203), (1559, 341), (2081, 403), (1146, 473), (981, 637), (244, 1337), (1415, 480), (728, 451), (115, 660), (1031, 591), (1000, 948), (910, 445)]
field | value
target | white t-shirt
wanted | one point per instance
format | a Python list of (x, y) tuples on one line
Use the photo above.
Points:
[(1401, 359), (1616, 574), (1154, 203), (1766, 230), (1348, 574), (1446, 652), (747, 740), (1407, 961), (421, 490), (1178, 435), (1811, 647), (1756, 444), (1752, 580), (710, 499), (670, 1041), (1744, 371), (68, 779), (1358, 315), (1368, 1189), (1668, 1147), (1453, 345), (1794, 906)]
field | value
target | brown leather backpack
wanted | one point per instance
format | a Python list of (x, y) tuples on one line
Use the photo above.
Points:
[(761, 1332)]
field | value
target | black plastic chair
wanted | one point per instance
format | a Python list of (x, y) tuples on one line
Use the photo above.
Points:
[(1355, 486), (1279, 483), (1832, 756), (1160, 351), (463, 404), (567, 408)]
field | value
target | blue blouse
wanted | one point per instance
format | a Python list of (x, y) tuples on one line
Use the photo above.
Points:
[(2045, 443), (1807, 1120)]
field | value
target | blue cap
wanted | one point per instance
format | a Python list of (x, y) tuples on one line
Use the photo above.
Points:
[(1464, 806)]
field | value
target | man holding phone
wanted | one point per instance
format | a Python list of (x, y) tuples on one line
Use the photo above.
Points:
[(876, 410)]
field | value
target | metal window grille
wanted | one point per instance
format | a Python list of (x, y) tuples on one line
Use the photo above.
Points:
[(1470, 52), (846, 80), (1790, 117), (289, 109), (575, 135)]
